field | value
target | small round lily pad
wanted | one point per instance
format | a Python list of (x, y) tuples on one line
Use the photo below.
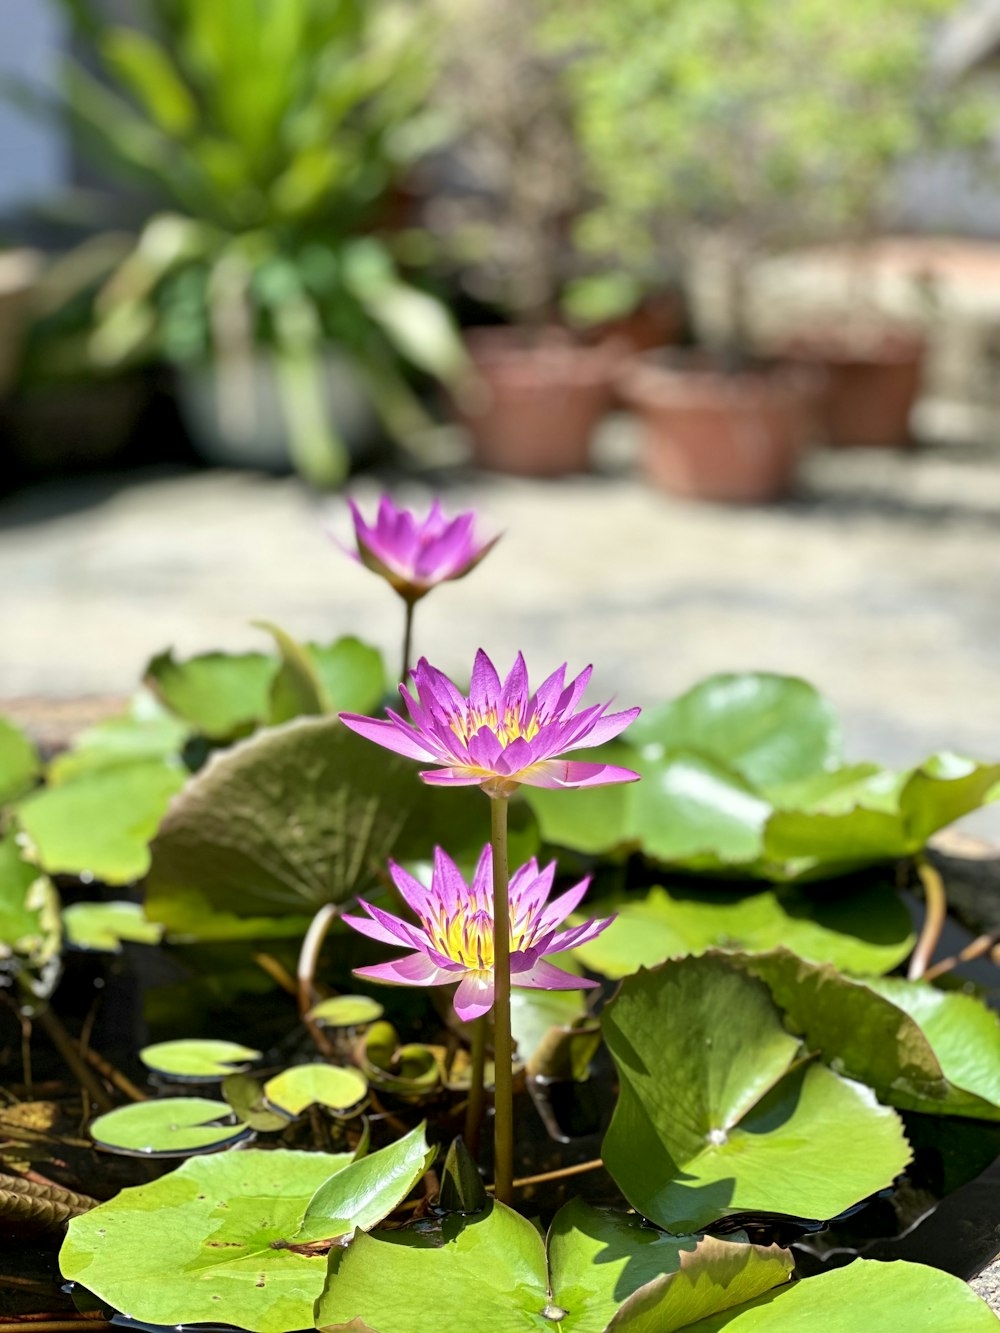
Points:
[(198, 1060), (347, 1011), (169, 1127), (302, 1086)]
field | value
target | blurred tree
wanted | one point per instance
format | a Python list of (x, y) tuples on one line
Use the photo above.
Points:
[(755, 123)]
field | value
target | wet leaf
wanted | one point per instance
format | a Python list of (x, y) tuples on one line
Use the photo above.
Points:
[(316, 1085), (718, 1114), (29, 910), (246, 1096), (864, 928), (100, 823), (103, 926), (346, 1011), (170, 1126), (220, 695), (197, 1058), (920, 1048), (20, 765), (218, 1217), (367, 1190), (497, 1266), (462, 1188), (878, 1297)]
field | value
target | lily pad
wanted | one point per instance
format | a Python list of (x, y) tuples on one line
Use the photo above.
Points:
[(316, 1085), (768, 728), (878, 1297), (198, 1058), (497, 1265), (920, 1048), (168, 1127), (19, 762), (29, 909), (220, 695), (210, 1256), (346, 1011), (99, 824), (147, 732), (103, 926), (296, 817), (718, 1113), (865, 929), (367, 1190), (347, 676)]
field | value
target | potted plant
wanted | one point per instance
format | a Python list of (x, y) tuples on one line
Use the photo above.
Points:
[(502, 213), (266, 143), (720, 169)]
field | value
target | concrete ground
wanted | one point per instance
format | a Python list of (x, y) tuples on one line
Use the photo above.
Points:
[(878, 583)]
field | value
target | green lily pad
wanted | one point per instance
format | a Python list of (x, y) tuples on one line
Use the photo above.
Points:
[(367, 1190), (103, 926), (246, 1096), (299, 816), (920, 1048), (865, 929), (346, 1011), (533, 1013), (20, 765), (220, 695), (878, 1297), (29, 910), (197, 1245), (146, 732), (497, 1266), (347, 676), (168, 1127), (197, 1058), (719, 1114), (768, 728), (316, 1085), (99, 824)]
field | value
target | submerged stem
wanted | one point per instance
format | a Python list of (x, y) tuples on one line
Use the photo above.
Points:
[(70, 1052), (503, 1096), (935, 911), (477, 1092)]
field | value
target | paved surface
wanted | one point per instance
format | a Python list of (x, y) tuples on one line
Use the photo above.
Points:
[(879, 583)]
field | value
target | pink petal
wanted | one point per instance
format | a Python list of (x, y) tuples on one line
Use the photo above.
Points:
[(484, 689), (515, 687), (433, 686), (545, 976), (560, 908), (570, 773), (517, 755), (401, 739), (454, 777), (474, 996), (413, 969), (550, 690), (529, 886), (485, 749), (413, 893), (449, 883), (607, 728), (372, 929), (403, 931), (569, 939), (573, 692)]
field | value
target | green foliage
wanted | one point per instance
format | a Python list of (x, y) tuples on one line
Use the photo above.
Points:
[(146, 731), (268, 140), (718, 1112), (341, 1090), (346, 1011), (99, 823), (29, 912), (744, 775), (103, 926), (774, 122), (168, 1127), (197, 1059), (19, 762)]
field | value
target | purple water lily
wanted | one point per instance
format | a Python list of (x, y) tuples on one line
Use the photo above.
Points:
[(502, 734), (414, 555), (454, 940)]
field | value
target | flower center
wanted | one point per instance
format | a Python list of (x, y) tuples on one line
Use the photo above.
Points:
[(466, 935), (510, 727)]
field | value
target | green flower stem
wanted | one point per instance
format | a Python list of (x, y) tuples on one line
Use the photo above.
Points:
[(503, 1096), (407, 639), (477, 1091)]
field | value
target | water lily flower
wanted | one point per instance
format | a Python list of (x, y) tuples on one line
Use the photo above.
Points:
[(415, 554), (502, 735), (454, 940)]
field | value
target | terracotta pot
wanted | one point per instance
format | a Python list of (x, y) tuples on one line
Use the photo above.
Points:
[(870, 389), (715, 436), (658, 321), (535, 400)]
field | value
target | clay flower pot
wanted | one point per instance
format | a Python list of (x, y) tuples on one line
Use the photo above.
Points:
[(535, 400), (716, 436), (871, 385)]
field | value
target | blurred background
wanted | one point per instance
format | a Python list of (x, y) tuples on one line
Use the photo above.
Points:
[(697, 300)]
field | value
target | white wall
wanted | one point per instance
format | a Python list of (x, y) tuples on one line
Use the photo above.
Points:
[(33, 156)]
